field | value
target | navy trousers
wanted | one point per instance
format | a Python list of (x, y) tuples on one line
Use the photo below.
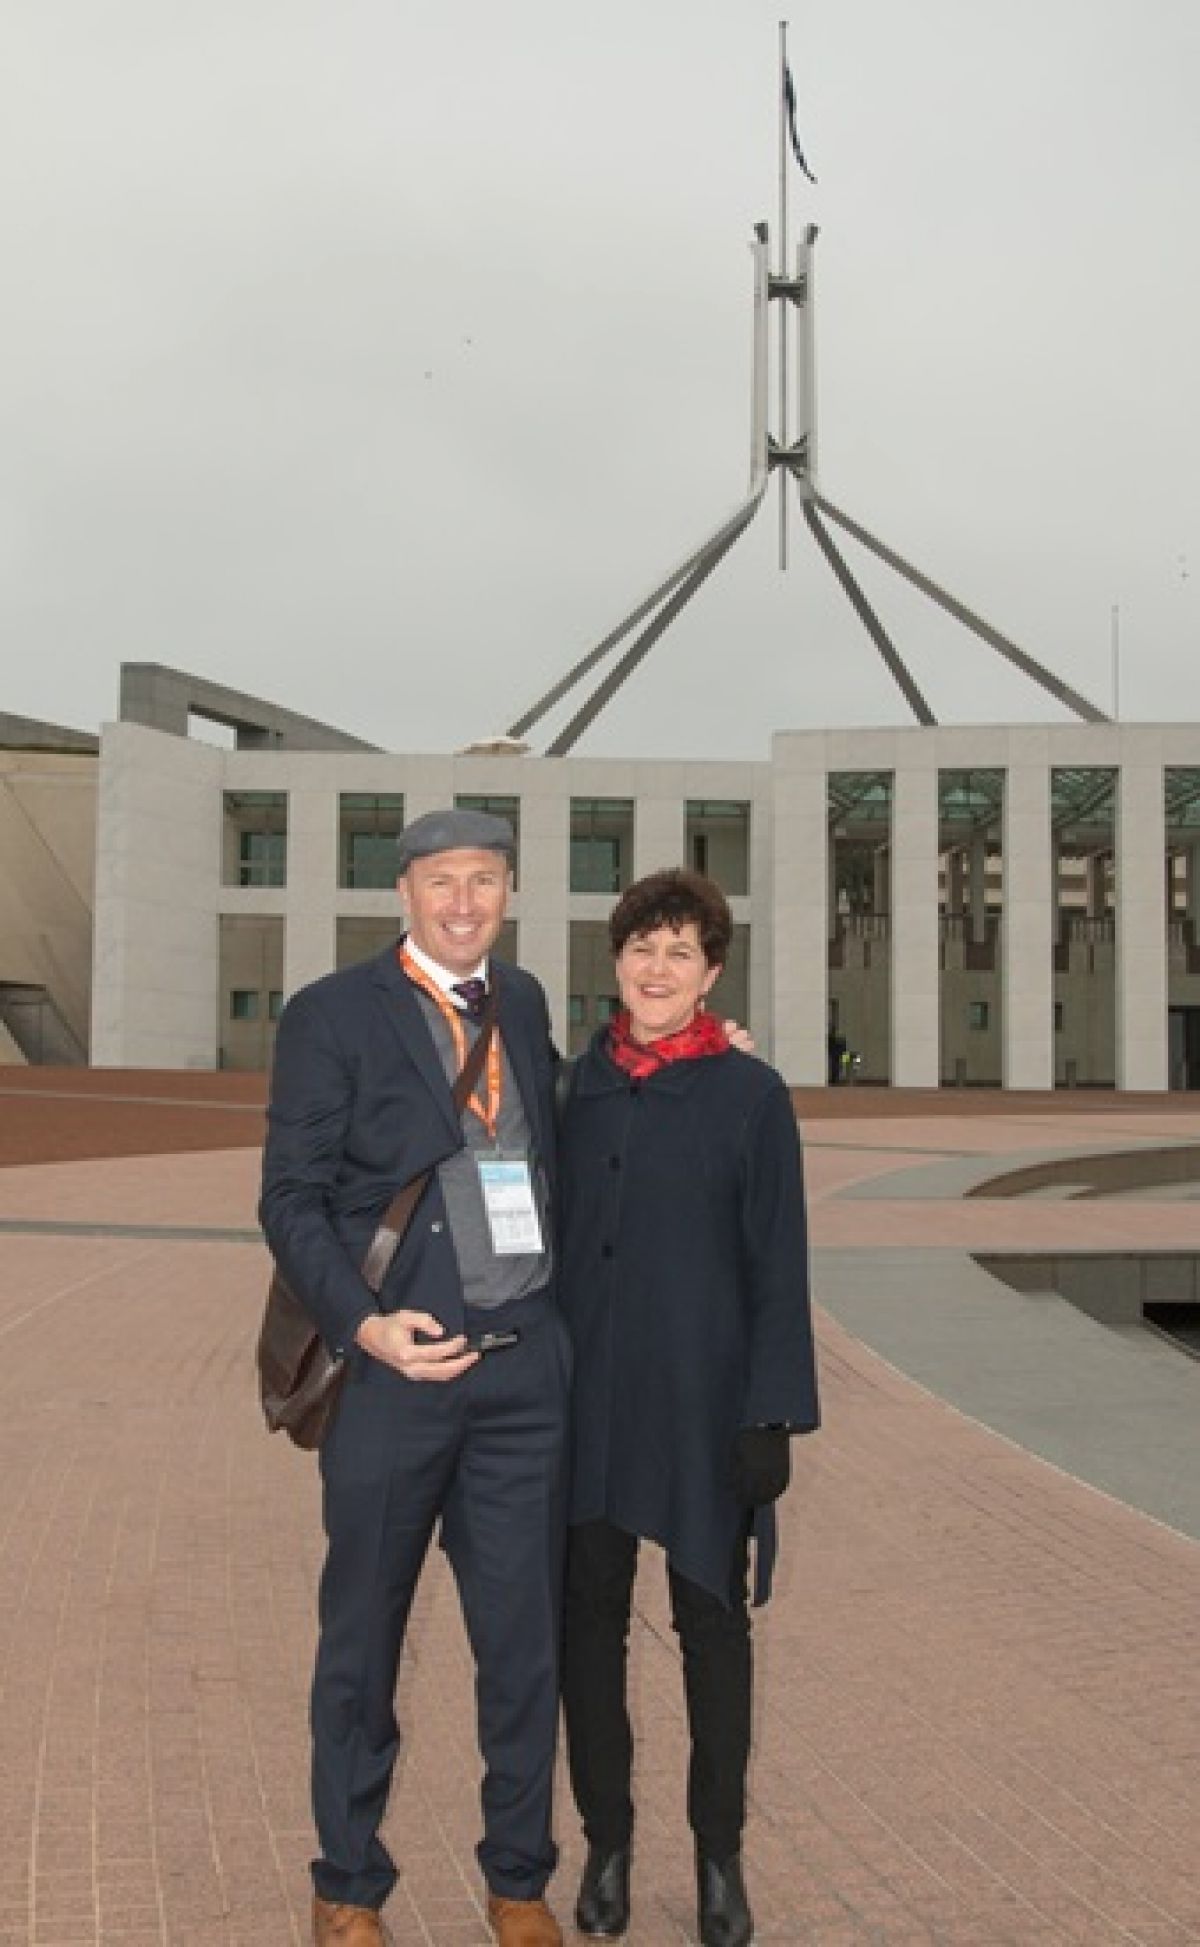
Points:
[(485, 1455)]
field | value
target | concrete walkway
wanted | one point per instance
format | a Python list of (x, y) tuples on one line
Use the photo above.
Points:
[(978, 1715)]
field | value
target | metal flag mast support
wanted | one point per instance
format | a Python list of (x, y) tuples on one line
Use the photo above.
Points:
[(781, 271), (794, 458)]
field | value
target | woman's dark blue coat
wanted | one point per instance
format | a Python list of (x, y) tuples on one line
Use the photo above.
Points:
[(685, 1286)]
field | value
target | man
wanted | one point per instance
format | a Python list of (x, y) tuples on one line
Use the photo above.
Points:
[(428, 1429)]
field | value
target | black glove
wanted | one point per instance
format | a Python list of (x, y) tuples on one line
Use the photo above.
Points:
[(762, 1464)]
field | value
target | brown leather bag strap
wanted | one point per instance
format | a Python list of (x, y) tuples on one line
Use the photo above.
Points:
[(398, 1215)]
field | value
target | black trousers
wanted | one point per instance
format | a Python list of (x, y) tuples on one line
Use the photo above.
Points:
[(715, 1641), (485, 1455)]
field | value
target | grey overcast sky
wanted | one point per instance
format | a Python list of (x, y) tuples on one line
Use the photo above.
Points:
[(376, 355)]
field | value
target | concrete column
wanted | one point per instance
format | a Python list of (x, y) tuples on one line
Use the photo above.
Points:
[(978, 887), (659, 834), (158, 857), (1193, 886), (1141, 929), (883, 880), (954, 881), (914, 928), (801, 903), (543, 902), (1028, 930), (310, 918)]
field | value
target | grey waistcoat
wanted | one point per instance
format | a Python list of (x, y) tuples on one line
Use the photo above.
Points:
[(487, 1280)]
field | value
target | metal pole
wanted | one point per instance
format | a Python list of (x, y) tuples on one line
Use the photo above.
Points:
[(782, 262), (641, 647), (1116, 661), (862, 608), (1026, 664)]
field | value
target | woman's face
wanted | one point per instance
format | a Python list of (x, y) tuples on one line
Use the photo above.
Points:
[(662, 978)]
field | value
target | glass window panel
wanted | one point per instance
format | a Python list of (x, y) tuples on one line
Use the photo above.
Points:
[(718, 841), (254, 848), (369, 823), (601, 844), (496, 807)]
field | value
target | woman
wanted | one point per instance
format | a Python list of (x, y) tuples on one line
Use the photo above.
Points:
[(685, 1287)]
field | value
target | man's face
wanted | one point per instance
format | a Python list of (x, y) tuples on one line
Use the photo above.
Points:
[(454, 904)]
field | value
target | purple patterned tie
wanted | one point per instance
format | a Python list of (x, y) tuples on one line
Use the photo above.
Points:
[(473, 995)]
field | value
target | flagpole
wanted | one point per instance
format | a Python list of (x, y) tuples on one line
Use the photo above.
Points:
[(782, 271)]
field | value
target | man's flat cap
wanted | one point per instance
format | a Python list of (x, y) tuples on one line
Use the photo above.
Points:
[(454, 831)]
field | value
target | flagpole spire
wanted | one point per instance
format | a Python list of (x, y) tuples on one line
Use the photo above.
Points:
[(781, 268)]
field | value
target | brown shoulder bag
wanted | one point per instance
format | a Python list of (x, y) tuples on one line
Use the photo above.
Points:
[(299, 1379)]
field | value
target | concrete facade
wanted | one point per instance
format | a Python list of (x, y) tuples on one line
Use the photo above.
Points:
[(47, 849), (948, 986), (167, 699)]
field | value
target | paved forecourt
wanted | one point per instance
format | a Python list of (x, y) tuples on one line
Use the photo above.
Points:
[(977, 1714)]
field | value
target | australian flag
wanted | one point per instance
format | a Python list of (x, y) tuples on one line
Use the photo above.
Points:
[(789, 95)]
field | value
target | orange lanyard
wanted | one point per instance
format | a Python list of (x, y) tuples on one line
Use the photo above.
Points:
[(486, 1108)]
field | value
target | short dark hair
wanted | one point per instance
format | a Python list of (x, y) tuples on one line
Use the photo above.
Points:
[(674, 898)]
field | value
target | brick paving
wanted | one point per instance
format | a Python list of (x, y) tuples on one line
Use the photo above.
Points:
[(977, 1719)]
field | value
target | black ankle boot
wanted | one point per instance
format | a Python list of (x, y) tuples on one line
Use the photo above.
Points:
[(724, 1915), (602, 1908)]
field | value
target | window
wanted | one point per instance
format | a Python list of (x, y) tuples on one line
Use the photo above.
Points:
[(243, 1004), (262, 859), (275, 1003), (977, 1014), (368, 826), (718, 841), (590, 981), (496, 807), (254, 851), (601, 844), (1059, 1018)]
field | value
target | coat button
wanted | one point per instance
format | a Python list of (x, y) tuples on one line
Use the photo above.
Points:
[(606, 1250), (437, 1227), (614, 1162)]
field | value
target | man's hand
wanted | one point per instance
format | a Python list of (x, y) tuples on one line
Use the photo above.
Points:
[(739, 1037), (392, 1337)]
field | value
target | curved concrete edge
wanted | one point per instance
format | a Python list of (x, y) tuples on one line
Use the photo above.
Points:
[(1116, 1407), (1096, 1169)]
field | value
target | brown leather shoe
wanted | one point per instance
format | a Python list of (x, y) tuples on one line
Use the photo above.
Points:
[(523, 1923), (347, 1926)]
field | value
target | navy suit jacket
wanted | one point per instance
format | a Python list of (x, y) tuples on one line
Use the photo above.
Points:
[(359, 1106)]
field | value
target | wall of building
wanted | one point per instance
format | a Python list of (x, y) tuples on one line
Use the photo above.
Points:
[(154, 971), (160, 981), (10, 1055), (47, 848), (1028, 756), (904, 993)]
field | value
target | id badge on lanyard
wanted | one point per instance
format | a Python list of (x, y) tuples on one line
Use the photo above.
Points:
[(508, 1200)]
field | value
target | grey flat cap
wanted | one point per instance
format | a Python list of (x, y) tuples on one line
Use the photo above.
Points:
[(454, 831)]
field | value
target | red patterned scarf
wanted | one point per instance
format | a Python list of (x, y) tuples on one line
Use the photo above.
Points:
[(703, 1035)]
